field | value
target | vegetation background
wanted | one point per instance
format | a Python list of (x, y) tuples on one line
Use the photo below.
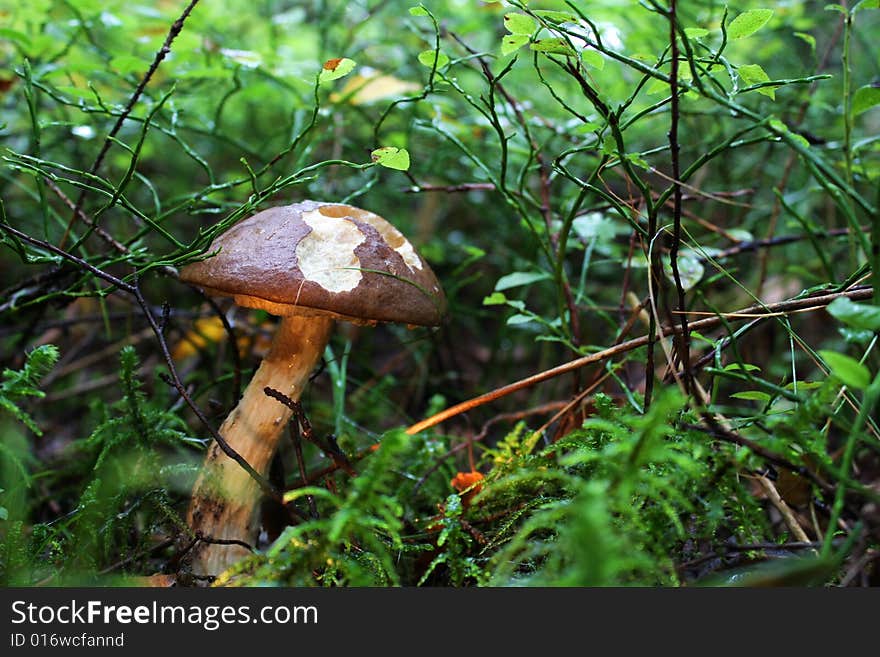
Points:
[(677, 199)]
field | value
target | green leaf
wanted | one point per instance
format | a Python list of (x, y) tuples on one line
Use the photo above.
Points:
[(856, 336), (14, 35), (752, 395), (593, 58), (754, 74), (512, 43), (695, 32), (808, 38), (519, 278), (513, 320), (519, 24), (391, 157), (803, 385), (516, 304), (336, 68), (855, 315), (128, 64), (426, 58), (866, 4), (638, 160), (495, 299), (865, 98), (837, 8), (656, 86), (597, 226), (696, 335), (554, 45), (748, 22), (848, 370), (418, 11), (745, 367), (690, 269)]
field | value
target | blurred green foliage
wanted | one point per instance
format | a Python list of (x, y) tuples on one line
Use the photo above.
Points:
[(538, 166)]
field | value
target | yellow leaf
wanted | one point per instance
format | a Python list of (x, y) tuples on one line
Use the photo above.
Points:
[(363, 89)]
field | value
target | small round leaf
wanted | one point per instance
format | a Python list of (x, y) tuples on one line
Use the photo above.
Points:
[(426, 58), (848, 370), (391, 157), (519, 24), (748, 22), (336, 68)]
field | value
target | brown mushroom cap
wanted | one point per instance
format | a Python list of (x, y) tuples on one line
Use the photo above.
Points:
[(313, 258)]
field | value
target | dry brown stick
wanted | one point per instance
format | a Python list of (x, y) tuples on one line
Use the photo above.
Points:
[(858, 568), (783, 508), (577, 399), (815, 302)]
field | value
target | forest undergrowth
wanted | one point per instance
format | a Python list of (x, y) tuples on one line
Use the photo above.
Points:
[(657, 226)]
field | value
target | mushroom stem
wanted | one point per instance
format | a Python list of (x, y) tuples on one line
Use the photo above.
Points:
[(225, 496)]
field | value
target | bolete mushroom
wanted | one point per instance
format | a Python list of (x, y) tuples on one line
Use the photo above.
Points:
[(310, 263)]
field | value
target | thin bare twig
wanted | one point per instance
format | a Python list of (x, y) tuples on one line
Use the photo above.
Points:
[(173, 31), (331, 449), (83, 217), (684, 347), (484, 431), (463, 187), (174, 378), (814, 302), (783, 508), (230, 333)]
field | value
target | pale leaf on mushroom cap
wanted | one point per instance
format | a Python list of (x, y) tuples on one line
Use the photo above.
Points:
[(313, 258)]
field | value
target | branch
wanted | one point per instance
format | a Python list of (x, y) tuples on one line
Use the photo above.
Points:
[(175, 29), (684, 346), (174, 379), (807, 303)]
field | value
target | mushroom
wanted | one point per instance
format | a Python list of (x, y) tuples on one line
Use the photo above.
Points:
[(311, 263)]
